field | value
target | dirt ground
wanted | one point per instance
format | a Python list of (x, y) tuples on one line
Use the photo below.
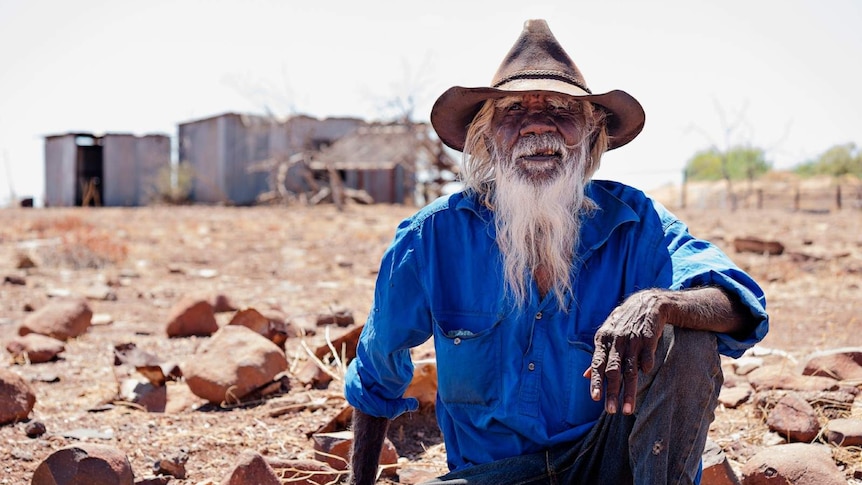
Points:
[(305, 261)]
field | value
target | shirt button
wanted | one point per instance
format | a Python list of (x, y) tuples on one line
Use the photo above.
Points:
[(457, 341), (532, 366), (539, 316)]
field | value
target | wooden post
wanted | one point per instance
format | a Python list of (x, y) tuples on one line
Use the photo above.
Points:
[(760, 198), (796, 198), (838, 196)]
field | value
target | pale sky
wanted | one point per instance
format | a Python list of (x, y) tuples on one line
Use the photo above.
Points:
[(785, 74)]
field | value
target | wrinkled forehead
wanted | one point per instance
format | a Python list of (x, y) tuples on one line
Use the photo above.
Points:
[(552, 99)]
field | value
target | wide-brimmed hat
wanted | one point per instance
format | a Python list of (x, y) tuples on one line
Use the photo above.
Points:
[(536, 63)]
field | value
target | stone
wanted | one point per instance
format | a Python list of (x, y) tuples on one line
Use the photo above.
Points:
[(842, 364), (273, 329), (716, 468), (423, 387), (794, 463), (35, 348), (173, 465), (151, 398), (85, 463), (304, 472), (733, 397), (755, 245), (251, 469), (779, 377), (334, 449), (223, 304), (844, 432), (191, 317), (794, 418), (17, 397), (414, 476), (181, 399), (232, 364), (341, 317), (35, 429), (61, 319), (744, 365)]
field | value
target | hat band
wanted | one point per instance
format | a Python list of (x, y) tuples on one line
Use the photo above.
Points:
[(543, 74)]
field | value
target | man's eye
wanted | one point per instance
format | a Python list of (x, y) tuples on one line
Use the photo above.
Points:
[(515, 107)]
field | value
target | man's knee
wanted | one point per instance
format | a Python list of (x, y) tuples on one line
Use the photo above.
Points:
[(692, 353)]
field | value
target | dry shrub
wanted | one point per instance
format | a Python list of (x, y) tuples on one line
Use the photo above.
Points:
[(80, 245)]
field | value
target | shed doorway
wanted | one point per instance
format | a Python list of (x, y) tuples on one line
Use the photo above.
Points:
[(88, 170)]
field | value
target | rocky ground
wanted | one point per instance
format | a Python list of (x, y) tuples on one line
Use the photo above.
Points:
[(135, 265)]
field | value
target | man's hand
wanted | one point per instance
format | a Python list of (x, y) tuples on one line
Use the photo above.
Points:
[(627, 341), (625, 344)]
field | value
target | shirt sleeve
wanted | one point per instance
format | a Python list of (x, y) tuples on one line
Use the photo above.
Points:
[(399, 319), (696, 263)]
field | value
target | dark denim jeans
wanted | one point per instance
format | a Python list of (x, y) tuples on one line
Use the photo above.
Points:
[(661, 443)]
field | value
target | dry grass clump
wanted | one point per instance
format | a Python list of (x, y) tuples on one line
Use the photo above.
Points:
[(76, 244)]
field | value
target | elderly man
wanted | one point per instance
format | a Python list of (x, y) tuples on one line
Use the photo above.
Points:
[(577, 324)]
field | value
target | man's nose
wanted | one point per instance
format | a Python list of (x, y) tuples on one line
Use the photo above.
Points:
[(537, 124)]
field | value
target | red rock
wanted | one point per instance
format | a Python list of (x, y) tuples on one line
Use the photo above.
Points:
[(61, 319), (85, 463), (335, 448), (794, 418), (17, 397), (755, 245), (796, 463), (273, 329), (424, 384), (716, 468), (780, 377), (232, 364), (251, 469), (341, 318), (844, 432), (842, 364), (733, 397), (35, 348), (152, 398), (223, 303), (191, 317), (304, 472)]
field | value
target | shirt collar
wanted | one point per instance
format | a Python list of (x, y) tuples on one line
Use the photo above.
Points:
[(597, 227)]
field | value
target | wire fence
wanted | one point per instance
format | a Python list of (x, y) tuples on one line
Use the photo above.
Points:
[(792, 197)]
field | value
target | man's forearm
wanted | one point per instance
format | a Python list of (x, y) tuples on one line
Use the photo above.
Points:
[(706, 308), (368, 435)]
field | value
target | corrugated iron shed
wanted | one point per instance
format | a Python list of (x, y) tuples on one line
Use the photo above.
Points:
[(114, 169), (222, 150)]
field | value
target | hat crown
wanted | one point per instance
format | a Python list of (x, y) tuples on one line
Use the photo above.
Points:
[(538, 55)]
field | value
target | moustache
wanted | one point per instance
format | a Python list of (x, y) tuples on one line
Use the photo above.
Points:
[(541, 144)]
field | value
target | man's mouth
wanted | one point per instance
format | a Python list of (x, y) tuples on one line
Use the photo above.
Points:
[(540, 160)]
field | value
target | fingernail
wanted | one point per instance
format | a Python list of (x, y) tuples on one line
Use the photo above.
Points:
[(595, 394), (612, 407), (627, 408)]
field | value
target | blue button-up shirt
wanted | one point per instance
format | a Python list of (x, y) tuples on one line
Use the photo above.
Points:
[(510, 379)]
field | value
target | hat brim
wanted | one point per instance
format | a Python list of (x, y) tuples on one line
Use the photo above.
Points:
[(455, 109)]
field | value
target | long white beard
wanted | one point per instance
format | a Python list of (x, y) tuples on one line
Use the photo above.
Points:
[(538, 222)]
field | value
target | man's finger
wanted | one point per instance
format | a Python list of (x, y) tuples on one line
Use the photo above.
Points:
[(613, 372), (597, 368), (630, 386)]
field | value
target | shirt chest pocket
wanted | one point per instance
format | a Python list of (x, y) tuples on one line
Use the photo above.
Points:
[(468, 350)]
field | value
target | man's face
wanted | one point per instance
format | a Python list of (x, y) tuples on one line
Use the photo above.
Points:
[(535, 132)]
